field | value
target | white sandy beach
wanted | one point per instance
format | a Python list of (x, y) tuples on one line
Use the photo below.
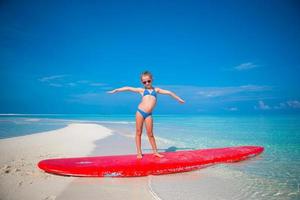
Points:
[(21, 179)]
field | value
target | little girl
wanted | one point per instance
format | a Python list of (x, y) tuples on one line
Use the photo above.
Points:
[(145, 108)]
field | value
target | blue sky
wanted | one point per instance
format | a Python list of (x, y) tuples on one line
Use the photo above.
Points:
[(220, 56)]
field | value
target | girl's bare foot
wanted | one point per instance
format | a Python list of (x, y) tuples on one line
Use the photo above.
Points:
[(139, 156), (158, 155)]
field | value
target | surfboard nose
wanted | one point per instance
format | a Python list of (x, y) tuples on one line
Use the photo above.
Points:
[(256, 149), (69, 166)]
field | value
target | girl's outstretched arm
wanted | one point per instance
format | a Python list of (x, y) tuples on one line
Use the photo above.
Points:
[(172, 94), (123, 89)]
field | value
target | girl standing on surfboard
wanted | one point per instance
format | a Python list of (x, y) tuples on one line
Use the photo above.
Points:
[(145, 108)]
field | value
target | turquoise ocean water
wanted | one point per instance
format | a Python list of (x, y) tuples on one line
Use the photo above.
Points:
[(273, 175)]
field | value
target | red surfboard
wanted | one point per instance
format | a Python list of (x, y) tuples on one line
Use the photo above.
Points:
[(129, 165)]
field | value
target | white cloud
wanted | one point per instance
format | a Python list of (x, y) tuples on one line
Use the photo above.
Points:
[(59, 81), (262, 106), (293, 104), (210, 92), (51, 78), (55, 85), (222, 94), (280, 106), (55, 80), (245, 66), (248, 97), (232, 109)]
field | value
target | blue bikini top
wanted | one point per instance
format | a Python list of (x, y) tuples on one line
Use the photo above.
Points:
[(153, 93)]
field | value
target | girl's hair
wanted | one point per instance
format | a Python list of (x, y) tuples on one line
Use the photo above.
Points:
[(146, 73)]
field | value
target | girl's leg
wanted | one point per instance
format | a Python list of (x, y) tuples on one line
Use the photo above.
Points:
[(149, 128), (139, 120)]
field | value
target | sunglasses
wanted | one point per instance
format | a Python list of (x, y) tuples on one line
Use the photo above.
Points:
[(144, 82)]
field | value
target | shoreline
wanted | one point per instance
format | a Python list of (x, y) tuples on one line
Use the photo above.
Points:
[(20, 178)]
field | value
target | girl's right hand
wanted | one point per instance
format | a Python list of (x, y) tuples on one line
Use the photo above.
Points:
[(181, 101), (112, 91)]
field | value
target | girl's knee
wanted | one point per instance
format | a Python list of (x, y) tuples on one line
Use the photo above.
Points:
[(150, 134), (138, 133)]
